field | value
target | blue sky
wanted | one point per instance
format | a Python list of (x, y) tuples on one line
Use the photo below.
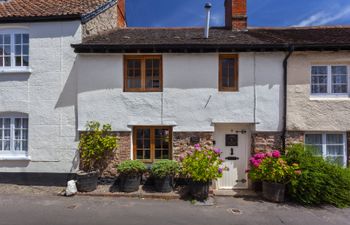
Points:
[(169, 13)]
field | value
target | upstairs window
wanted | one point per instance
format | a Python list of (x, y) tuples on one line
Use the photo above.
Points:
[(228, 73), (13, 135), (143, 74), (330, 80)]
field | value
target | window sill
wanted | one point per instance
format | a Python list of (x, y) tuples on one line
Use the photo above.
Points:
[(15, 158), (16, 71), (329, 97)]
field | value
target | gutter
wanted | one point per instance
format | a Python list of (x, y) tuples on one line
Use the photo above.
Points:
[(285, 85)]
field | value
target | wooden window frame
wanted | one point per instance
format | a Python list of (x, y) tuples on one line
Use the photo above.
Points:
[(152, 142), (143, 59), (236, 77)]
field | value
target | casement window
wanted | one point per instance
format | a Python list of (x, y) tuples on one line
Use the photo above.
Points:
[(152, 143), (331, 146), (13, 135), (143, 73), (330, 80), (14, 50), (228, 73)]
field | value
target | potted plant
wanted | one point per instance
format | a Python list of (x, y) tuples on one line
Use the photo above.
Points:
[(95, 146), (201, 164), (130, 173), (273, 170), (163, 172)]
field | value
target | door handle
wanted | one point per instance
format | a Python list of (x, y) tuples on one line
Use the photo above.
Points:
[(232, 158)]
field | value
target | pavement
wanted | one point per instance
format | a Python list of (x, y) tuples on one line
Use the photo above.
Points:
[(48, 209)]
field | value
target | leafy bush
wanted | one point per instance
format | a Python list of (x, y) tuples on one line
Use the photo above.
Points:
[(272, 167), (96, 144), (165, 168), (202, 163), (320, 182), (131, 168)]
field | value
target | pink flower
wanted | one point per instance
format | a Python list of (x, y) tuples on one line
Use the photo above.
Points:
[(259, 156), (297, 172), (217, 151), (197, 146), (276, 154), (269, 154), (181, 157)]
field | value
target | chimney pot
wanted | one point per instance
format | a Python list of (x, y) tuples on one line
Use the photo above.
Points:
[(236, 14)]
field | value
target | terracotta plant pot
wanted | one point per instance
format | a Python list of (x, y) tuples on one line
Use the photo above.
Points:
[(164, 184), (274, 192), (199, 190), (129, 183), (87, 181)]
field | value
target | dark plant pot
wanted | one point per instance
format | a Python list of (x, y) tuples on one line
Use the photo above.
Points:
[(164, 184), (87, 181), (274, 192), (257, 186), (199, 190), (129, 183)]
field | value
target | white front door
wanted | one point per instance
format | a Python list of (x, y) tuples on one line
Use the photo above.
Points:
[(236, 150)]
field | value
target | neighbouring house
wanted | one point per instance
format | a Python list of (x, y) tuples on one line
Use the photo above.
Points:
[(38, 133), (242, 89)]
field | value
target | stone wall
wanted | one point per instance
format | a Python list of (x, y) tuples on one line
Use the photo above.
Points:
[(182, 140), (267, 141), (112, 18), (295, 137)]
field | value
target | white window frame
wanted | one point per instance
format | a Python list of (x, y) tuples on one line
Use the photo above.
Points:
[(12, 153), (13, 67), (329, 82), (324, 143)]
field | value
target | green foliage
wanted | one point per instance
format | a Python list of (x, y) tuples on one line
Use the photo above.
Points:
[(320, 182), (202, 163), (277, 170), (163, 168), (95, 145), (131, 167)]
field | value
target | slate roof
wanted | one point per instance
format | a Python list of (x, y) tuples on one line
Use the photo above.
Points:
[(27, 10), (179, 39)]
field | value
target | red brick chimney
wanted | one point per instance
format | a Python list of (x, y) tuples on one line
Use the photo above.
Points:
[(236, 14), (121, 14)]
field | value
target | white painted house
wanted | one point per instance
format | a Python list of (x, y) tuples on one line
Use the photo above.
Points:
[(161, 89)]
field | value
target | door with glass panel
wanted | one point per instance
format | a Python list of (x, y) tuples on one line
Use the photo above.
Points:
[(152, 143), (329, 145)]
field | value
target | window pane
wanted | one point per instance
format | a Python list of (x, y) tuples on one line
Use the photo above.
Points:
[(7, 50), (7, 61), (158, 154), (24, 135), (18, 61), (25, 60), (1, 39), (17, 145), (152, 73), (139, 154), (18, 50), (335, 139), (7, 39), (7, 123), (339, 79), (18, 38), (147, 154), (25, 145), (335, 150), (336, 159), (18, 134), (25, 50), (319, 70), (25, 38), (228, 72), (313, 139), (7, 145), (25, 123)]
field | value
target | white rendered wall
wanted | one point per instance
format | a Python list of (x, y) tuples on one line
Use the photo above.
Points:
[(48, 95), (190, 99)]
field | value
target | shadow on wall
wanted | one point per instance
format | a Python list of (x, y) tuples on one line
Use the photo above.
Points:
[(14, 164)]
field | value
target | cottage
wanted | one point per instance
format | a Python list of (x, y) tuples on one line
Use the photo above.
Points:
[(239, 88)]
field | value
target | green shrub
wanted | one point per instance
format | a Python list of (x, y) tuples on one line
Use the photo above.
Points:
[(165, 168), (131, 167), (320, 182), (95, 145), (202, 163)]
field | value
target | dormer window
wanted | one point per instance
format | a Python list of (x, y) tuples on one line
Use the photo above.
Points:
[(14, 50)]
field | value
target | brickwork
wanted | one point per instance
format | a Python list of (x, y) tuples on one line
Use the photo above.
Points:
[(236, 14), (112, 18), (182, 140), (295, 137), (267, 141)]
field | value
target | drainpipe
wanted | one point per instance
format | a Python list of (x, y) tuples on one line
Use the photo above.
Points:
[(285, 85)]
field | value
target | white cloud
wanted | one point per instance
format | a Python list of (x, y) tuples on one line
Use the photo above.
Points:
[(325, 17)]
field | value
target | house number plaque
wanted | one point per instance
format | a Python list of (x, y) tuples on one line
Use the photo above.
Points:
[(231, 140)]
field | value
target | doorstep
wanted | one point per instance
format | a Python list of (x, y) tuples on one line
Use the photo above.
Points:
[(236, 193), (144, 192)]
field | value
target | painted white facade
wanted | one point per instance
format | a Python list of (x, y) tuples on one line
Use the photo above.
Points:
[(190, 100), (48, 95)]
